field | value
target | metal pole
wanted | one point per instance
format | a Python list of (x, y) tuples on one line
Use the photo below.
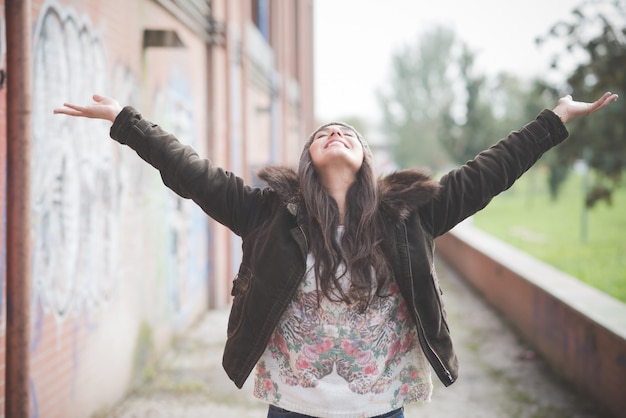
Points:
[(584, 216), (19, 134)]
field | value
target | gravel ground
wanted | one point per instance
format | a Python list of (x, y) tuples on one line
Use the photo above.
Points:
[(499, 377)]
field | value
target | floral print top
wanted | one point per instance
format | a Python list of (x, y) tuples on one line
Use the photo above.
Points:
[(330, 360)]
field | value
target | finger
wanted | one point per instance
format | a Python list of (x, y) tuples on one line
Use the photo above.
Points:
[(609, 97), (67, 112), (606, 99), (61, 110), (74, 107)]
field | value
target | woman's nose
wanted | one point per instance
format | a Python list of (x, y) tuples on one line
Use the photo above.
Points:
[(334, 131)]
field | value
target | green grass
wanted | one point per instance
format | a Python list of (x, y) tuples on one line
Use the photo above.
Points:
[(552, 231)]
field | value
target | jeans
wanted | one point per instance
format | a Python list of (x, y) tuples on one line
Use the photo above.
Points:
[(276, 412)]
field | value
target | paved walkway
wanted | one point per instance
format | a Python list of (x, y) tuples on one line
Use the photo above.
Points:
[(499, 375)]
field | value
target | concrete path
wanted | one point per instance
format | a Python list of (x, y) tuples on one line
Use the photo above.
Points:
[(499, 375)]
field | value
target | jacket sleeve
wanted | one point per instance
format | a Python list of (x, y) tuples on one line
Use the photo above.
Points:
[(469, 188), (221, 194)]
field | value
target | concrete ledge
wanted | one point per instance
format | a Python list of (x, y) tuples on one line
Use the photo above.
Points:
[(579, 330)]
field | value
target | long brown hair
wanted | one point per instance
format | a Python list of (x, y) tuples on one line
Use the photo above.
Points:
[(359, 249)]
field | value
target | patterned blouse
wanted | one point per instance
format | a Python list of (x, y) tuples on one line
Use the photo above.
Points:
[(330, 360)]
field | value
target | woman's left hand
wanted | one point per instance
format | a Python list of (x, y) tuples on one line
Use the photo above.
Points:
[(567, 109)]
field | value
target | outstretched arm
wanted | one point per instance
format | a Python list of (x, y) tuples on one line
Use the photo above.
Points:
[(104, 108), (221, 194), (469, 188), (567, 109)]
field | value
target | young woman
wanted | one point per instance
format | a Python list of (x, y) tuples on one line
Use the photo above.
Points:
[(336, 302)]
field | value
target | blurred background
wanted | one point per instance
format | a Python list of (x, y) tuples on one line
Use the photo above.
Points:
[(103, 268), (433, 85)]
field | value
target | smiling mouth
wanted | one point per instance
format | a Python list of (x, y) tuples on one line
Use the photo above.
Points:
[(335, 143)]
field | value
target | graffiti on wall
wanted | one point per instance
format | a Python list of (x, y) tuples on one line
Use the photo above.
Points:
[(75, 187), (81, 181), (98, 212), (187, 243)]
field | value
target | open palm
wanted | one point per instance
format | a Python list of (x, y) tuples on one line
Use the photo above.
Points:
[(104, 108), (569, 109)]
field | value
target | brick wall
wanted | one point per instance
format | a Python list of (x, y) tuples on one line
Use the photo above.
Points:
[(578, 330), (119, 263)]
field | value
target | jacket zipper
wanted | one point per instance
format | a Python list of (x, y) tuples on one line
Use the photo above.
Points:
[(306, 242), (419, 320)]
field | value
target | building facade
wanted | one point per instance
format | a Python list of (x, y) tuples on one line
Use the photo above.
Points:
[(118, 263)]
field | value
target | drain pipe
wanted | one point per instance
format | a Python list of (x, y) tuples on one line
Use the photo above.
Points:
[(19, 136)]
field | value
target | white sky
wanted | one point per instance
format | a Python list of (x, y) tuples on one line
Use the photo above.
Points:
[(354, 41)]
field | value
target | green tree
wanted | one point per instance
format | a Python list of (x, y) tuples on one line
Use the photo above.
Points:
[(438, 109), (492, 108), (463, 132), (416, 95), (596, 32)]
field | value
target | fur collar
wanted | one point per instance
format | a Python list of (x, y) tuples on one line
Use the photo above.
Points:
[(402, 192)]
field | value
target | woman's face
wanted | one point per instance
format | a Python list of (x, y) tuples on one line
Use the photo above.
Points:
[(336, 146)]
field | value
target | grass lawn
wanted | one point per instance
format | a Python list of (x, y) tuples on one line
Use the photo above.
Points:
[(553, 231)]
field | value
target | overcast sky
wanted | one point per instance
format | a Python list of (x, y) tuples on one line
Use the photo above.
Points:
[(354, 41)]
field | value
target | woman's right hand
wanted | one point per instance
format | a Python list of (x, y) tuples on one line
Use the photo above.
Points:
[(104, 108)]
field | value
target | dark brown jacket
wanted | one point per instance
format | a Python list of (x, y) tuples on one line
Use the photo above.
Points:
[(416, 210)]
